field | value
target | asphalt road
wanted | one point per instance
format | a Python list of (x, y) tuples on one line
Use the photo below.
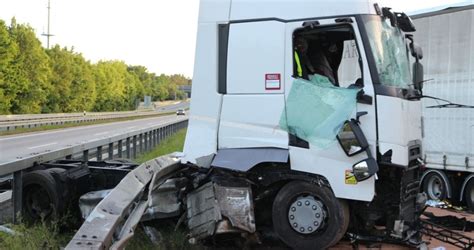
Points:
[(24, 145), (173, 107)]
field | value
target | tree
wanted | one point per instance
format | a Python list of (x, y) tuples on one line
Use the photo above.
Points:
[(61, 63), (31, 71), (8, 51), (33, 79), (83, 84)]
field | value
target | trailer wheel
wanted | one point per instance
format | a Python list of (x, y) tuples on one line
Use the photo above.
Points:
[(41, 200), (435, 187), (469, 195), (307, 216)]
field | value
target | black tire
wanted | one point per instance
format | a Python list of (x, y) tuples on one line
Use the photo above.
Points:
[(41, 199), (331, 230), (435, 187), (469, 195)]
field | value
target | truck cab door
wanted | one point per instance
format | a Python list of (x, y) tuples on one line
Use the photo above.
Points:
[(336, 36)]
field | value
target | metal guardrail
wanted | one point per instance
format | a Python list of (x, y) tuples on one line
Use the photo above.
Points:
[(7, 125), (126, 145)]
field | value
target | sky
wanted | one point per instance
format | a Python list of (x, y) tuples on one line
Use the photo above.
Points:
[(158, 34)]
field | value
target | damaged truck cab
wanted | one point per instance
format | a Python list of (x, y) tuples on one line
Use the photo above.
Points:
[(307, 116)]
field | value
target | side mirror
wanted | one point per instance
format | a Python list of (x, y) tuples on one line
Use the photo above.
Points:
[(364, 169), (404, 22), (352, 139), (418, 77), (388, 14)]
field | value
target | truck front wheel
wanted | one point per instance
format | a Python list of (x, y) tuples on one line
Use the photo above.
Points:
[(306, 216)]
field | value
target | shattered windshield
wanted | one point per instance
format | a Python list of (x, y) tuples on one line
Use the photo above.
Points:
[(390, 52)]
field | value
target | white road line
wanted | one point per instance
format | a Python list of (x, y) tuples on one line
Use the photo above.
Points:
[(102, 133), (82, 127), (132, 127), (43, 145)]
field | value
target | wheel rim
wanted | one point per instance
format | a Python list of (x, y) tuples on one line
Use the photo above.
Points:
[(435, 187), (306, 215), (38, 203)]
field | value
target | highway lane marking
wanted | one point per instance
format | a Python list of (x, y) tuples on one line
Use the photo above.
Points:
[(101, 133), (85, 127), (43, 145)]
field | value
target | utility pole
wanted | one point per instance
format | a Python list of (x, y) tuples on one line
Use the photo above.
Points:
[(48, 34)]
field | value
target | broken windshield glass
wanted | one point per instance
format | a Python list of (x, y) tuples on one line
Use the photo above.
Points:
[(390, 52), (316, 110)]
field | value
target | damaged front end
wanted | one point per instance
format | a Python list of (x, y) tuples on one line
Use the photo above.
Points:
[(163, 188), (218, 207), (394, 214)]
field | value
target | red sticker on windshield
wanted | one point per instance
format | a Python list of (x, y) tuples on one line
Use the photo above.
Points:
[(272, 82)]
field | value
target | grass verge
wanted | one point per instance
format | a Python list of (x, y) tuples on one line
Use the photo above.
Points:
[(53, 235), (70, 125), (169, 145)]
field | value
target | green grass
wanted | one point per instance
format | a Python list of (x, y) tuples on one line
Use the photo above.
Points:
[(70, 125), (54, 236), (42, 235), (169, 145)]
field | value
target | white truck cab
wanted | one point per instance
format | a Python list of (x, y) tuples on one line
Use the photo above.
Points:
[(318, 101)]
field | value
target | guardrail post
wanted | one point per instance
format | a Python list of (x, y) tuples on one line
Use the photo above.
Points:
[(134, 147), (141, 143), (160, 130), (145, 141), (17, 195), (157, 136), (85, 156), (150, 140), (99, 153), (111, 150), (119, 149), (129, 155)]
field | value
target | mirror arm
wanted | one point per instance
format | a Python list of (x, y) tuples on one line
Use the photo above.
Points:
[(359, 134), (360, 114), (363, 98)]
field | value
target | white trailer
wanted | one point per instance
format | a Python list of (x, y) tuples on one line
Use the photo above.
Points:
[(447, 38)]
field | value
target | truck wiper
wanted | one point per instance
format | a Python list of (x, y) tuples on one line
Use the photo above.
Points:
[(449, 104)]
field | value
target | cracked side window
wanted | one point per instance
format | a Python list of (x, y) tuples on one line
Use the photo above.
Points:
[(325, 63), (316, 110)]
